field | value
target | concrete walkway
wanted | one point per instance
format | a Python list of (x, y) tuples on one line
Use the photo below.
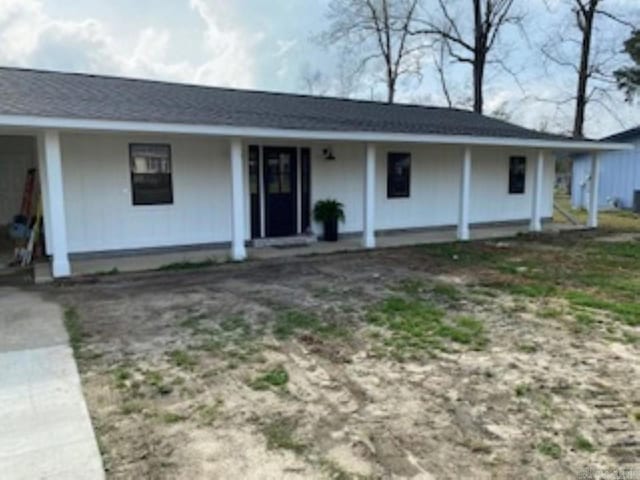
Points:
[(45, 429)]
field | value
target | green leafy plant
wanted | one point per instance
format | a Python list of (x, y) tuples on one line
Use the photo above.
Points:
[(328, 210)]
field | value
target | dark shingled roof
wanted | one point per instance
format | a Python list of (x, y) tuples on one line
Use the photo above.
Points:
[(624, 136), (81, 96)]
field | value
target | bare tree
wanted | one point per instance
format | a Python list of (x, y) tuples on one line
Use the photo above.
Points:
[(340, 81), (313, 81), (592, 62), (471, 43), (376, 32), (440, 61)]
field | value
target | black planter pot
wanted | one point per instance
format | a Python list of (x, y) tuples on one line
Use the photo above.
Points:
[(331, 230)]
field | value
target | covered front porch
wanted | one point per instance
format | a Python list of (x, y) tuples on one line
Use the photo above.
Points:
[(84, 178)]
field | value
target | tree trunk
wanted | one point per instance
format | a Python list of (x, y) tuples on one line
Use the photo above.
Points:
[(391, 89), (478, 57), (583, 70), (478, 80)]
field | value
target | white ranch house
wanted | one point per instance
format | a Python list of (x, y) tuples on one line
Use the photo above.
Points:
[(132, 165)]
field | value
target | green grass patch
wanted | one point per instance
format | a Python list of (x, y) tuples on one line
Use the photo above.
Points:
[(171, 417), (121, 376), (411, 286), (630, 338), (291, 322), (280, 434), (628, 312), (522, 390), (551, 312), (132, 407), (182, 359), (582, 443), (528, 347), (585, 319), (533, 290), (416, 325), (74, 329), (447, 291), (155, 380), (276, 377), (193, 322), (208, 414), (550, 449), (464, 254)]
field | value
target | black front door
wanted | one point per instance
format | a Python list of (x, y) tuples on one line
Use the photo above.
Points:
[(280, 191)]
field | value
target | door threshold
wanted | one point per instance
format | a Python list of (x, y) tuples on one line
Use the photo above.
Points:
[(302, 240)]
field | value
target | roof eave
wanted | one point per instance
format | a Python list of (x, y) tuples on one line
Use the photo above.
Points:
[(79, 124)]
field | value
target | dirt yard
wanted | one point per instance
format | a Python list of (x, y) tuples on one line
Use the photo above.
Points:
[(503, 359)]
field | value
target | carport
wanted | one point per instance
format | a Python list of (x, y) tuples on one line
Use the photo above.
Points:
[(18, 155)]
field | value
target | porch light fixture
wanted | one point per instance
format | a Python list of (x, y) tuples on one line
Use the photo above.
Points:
[(327, 153)]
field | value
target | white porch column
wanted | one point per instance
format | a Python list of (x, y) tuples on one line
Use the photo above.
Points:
[(465, 186), (594, 183), (44, 195), (55, 192), (238, 251), (536, 197), (368, 231)]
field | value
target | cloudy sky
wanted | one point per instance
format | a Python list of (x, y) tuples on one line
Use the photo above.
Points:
[(267, 44)]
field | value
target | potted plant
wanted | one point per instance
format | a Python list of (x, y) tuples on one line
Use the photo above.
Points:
[(329, 212)]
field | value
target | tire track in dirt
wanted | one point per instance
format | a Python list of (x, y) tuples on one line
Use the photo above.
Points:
[(621, 438)]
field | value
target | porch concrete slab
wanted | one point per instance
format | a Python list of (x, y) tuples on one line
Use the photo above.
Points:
[(133, 263), (153, 261), (46, 429)]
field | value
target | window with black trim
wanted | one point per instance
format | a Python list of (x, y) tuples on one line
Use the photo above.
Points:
[(517, 174), (150, 165), (398, 175)]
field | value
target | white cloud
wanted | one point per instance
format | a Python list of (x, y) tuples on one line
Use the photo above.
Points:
[(230, 50), (31, 38), (256, 44)]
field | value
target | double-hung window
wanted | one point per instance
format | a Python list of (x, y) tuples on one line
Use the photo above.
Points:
[(517, 174), (398, 175), (151, 173)]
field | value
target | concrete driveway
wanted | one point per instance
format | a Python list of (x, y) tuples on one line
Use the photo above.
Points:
[(45, 429)]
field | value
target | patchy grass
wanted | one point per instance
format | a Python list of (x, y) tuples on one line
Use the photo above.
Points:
[(613, 220), (171, 417), (583, 444), (589, 274), (275, 377), (183, 359), (550, 449), (132, 407), (522, 390), (628, 312), (447, 291), (74, 330), (155, 380), (121, 376), (280, 432), (419, 326), (549, 305), (291, 322), (528, 347), (209, 413), (411, 286)]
